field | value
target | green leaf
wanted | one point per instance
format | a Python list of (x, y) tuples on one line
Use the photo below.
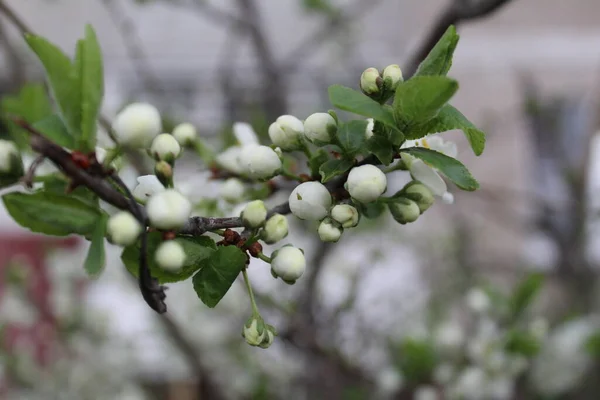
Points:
[(333, 168), (525, 293), (416, 359), (88, 66), (351, 136), (450, 118), (451, 167), (63, 80), (32, 104), (57, 184), (524, 343), (382, 148), (420, 99), (197, 251), (95, 260), (54, 129), (217, 275), (51, 213), (318, 158), (371, 210), (355, 102), (439, 59)]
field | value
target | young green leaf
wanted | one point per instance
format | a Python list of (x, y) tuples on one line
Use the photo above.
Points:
[(525, 293), (58, 185), (218, 273), (420, 99), (351, 136), (450, 118), (62, 78), (382, 148), (197, 251), (95, 260), (355, 102), (51, 213), (439, 59), (318, 158), (53, 128), (333, 168), (371, 210), (523, 343), (451, 167), (416, 359), (88, 65)]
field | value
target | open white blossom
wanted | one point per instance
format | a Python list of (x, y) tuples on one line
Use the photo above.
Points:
[(148, 185), (422, 172)]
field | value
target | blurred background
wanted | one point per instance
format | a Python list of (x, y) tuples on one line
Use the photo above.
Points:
[(492, 297)]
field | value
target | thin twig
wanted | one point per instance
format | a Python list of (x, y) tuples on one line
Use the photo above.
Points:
[(30, 175)]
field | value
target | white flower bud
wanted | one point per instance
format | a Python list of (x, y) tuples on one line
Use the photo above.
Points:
[(369, 128), (420, 194), (275, 229), (320, 128), (394, 73), (164, 172), (170, 256), (123, 229), (259, 162), (168, 209), (288, 263), (478, 300), (329, 231), (366, 183), (185, 134), (148, 185), (254, 214), (448, 198), (11, 163), (370, 81), (165, 148), (286, 132), (255, 331), (232, 190), (137, 124), (229, 160), (346, 215), (404, 210), (269, 337), (310, 201), (426, 392)]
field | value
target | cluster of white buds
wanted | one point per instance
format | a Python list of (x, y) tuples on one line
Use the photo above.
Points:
[(288, 263), (254, 214), (123, 229), (170, 256), (372, 82), (11, 163), (185, 134), (168, 209), (137, 124), (366, 183)]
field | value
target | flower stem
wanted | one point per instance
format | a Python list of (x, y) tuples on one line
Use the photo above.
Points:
[(306, 150), (250, 293), (265, 258), (291, 176)]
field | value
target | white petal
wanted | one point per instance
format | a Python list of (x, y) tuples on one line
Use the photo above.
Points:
[(448, 198), (437, 143), (428, 176), (244, 133)]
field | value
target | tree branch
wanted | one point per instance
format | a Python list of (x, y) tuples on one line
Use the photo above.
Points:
[(456, 12)]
